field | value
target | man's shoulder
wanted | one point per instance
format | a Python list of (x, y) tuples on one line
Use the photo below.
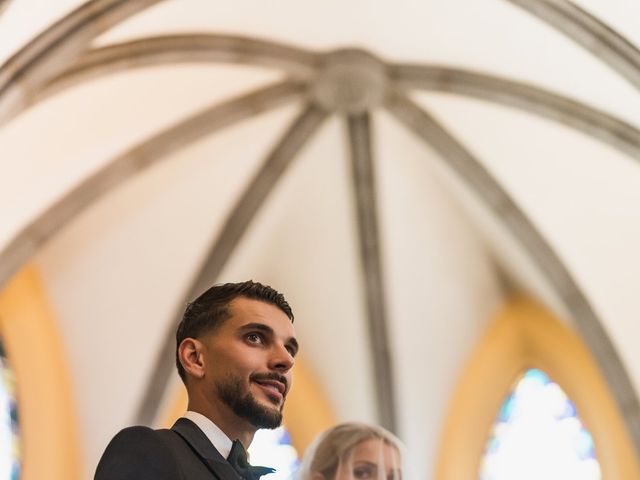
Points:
[(141, 433), (137, 453)]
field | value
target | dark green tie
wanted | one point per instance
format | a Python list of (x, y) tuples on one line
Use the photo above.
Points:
[(238, 460)]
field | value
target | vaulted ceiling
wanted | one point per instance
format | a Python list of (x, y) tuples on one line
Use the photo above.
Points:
[(397, 170)]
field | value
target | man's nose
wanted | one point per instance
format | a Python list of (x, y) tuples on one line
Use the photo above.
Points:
[(281, 359)]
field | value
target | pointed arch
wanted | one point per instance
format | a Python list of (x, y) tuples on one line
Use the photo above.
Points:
[(49, 437), (525, 335)]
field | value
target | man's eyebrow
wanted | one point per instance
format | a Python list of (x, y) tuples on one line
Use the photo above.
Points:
[(257, 326)]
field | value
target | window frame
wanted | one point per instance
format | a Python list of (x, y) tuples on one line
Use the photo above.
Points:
[(48, 426), (526, 335)]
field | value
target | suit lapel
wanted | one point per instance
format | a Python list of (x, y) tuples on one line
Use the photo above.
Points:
[(199, 442)]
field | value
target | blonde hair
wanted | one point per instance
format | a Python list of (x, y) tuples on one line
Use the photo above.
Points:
[(335, 444)]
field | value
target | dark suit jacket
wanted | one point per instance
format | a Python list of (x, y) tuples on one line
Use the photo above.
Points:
[(182, 453)]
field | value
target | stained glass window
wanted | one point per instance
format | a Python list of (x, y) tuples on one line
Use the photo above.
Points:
[(538, 435), (9, 444), (272, 448)]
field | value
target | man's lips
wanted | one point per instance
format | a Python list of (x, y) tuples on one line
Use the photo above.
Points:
[(273, 386)]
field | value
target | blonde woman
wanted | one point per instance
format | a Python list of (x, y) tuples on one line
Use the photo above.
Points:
[(352, 451)]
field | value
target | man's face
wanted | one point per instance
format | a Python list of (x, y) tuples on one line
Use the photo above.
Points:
[(249, 360)]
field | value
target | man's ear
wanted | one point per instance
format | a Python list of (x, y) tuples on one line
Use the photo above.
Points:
[(190, 354)]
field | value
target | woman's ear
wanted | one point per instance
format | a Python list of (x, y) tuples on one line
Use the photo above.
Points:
[(191, 357)]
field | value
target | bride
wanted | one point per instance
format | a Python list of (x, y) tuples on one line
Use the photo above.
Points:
[(351, 451)]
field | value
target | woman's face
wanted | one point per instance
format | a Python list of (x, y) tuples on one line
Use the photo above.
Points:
[(371, 460)]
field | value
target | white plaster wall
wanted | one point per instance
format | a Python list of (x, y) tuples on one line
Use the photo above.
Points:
[(51, 148), (443, 287), (487, 35), (583, 196)]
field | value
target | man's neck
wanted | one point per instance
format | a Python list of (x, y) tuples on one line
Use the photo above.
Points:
[(234, 427)]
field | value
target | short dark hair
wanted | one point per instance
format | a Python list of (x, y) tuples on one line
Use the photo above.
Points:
[(211, 309)]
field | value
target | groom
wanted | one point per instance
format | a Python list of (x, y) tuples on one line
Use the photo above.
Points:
[(235, 349)]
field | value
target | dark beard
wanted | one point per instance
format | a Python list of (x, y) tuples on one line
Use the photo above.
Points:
[(244, 405)]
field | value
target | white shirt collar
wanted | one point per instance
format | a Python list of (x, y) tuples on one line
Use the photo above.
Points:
[(217, 437)]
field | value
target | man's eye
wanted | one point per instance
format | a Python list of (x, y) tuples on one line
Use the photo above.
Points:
[(254, 338)]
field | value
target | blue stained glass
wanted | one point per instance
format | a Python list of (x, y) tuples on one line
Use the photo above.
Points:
[(272, 448), (538, 434), (507, 409), (285, 437), (537, 376), (9, 438)]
